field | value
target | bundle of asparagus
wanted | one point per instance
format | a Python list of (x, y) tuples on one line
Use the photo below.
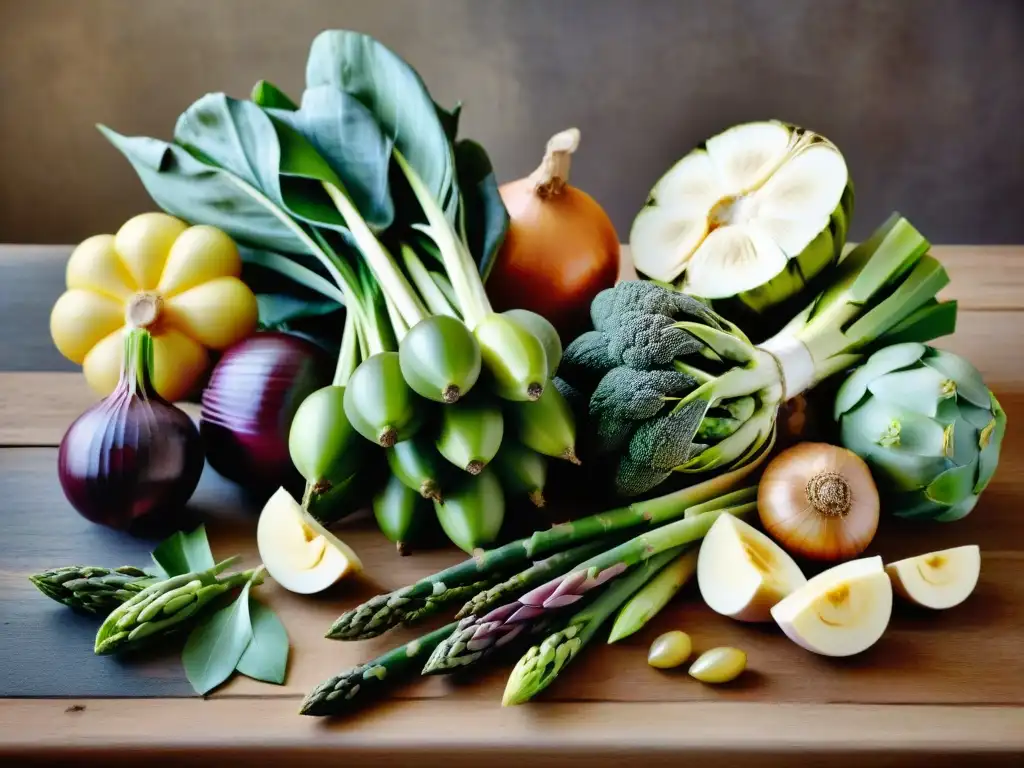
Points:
[(519, 590)]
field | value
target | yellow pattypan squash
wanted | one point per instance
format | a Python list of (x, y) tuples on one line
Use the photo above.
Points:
[(180, 282)]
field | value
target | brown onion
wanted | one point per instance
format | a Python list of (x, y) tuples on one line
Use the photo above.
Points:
[(819, 501), (561, 248)]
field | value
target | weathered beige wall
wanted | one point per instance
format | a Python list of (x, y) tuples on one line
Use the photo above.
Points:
[(925, 97)]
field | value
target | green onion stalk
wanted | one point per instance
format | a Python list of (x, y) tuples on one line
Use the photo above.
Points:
[(441, 356)]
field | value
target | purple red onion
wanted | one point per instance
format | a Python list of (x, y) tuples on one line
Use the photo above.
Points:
[(249, 404), (133, 459)]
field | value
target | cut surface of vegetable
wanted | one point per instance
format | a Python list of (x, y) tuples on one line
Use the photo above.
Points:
[(755, 212), (742, 573), (299, 553), (840, 612), (937, 580)]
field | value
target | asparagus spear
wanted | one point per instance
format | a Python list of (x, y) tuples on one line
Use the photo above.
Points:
[(541, 664), (654, 595), (475, 637), (348, 690), (536, 574), (90, 588), (404, 606), (484, 569), (167, 606)]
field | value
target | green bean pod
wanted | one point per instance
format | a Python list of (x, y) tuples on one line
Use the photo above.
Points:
[(522, 471), (514, 357), (471, 435), (418, 464), (324, 446), (379, 403), (545, 332), (546, 426), (401, 513), (473, 511), (440, 359)]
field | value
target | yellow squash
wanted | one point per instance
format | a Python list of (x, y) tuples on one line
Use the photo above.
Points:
[(180, 282)]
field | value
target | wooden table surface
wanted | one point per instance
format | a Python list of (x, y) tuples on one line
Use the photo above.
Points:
[(944, 687)]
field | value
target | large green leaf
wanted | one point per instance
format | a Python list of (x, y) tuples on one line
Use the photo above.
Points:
[(266, 656), (280, 310), (200, 192), (268, 95), (263, 152), (346, 134), (483, 212), (396, 95), (450, 120), (215, 647), (184, 553)]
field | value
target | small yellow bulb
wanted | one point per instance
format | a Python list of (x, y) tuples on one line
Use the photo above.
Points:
[(719, 665), (669, 650)]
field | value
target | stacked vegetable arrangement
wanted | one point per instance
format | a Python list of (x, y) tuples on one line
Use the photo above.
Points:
[(667, 387), (441, 408), (361, 193)]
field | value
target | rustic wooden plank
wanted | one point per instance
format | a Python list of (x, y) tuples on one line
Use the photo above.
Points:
[(32, 277), (595, 734), (921, 660), (37, 407)]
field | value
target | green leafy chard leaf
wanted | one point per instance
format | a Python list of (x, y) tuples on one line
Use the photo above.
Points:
[(278, 310), (346, 134), (266, 656), (399, 100), (184, 553), (215, 647), (483, 212), (268, 95), (199, 191), (449, 119)]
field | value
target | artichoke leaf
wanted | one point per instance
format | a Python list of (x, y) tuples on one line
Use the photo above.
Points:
[(887, 424), (919, 390), (990, 440), (958, 511), (954, 485), (969, 384), (884, 361)]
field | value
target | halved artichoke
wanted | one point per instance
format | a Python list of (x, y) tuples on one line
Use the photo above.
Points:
[(754, 213), (926, 424)]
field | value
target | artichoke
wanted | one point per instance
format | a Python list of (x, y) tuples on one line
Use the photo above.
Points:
[(926, 424), (753, 213)]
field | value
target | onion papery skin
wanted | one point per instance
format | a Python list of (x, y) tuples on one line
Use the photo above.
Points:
[(804, 530), (249, 404), (133, 460)]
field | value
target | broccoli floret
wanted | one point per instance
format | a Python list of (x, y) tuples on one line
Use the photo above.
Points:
[(633, 478), (667, 441), (637, 395), (576, 399), (645, 341), (602, 309), (586, 360)]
